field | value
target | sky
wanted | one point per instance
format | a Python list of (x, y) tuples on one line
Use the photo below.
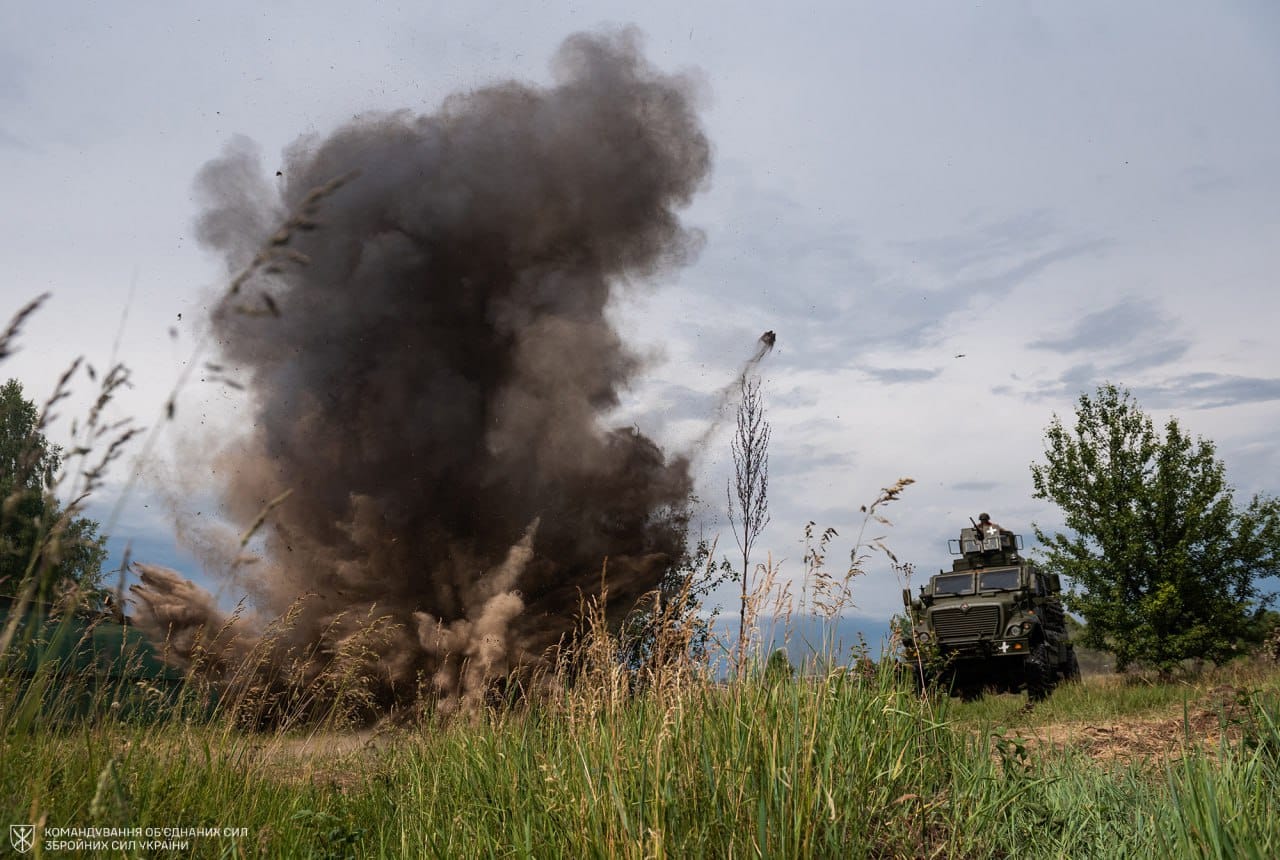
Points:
[(957, 217)]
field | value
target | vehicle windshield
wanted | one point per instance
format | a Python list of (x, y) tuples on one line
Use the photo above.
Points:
[(959, 584), (999, 580)]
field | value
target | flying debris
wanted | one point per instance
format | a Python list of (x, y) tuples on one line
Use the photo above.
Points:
[(766, 342), (728, 396)]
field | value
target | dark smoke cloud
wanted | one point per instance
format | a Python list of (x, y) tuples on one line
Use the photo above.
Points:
[(431, 383)]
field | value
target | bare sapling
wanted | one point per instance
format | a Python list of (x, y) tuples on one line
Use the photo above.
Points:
[(748, 492)]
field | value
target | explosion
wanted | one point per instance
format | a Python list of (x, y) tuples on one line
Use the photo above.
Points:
[(432, 374)]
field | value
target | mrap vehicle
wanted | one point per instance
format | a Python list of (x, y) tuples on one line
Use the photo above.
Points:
[(993, 622)]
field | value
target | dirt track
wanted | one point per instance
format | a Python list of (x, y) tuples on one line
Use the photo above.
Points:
[(1155, 738)]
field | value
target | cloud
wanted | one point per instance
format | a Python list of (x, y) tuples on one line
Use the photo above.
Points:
[(1156, 355), (1004, 281), (1072, 381), (805, 458), (911, 317), (1208, 391), (677, 402), (1188, 391), (895, 375), (832, 295), (13, 78), (1252, 462), (1105, 329), (975, 267), (1008, 236), (1117, 342), (975, 486), (1126, 325), (1205, 180), (9, 140)]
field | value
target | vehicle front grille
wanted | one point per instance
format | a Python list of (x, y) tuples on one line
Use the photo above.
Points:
[(957, 624)]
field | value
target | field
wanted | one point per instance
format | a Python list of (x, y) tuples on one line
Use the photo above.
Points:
[(836, 766), (595, 762)]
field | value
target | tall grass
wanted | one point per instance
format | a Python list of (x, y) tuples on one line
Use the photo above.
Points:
[(841, 765), (844, 763)]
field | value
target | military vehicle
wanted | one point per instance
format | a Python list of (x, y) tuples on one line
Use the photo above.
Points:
[(993, 622)]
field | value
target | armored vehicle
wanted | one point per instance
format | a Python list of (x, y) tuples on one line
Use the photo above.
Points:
[(993, 622)]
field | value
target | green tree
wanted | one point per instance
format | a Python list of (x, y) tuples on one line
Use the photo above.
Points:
[(667, 624), (38, 538), (1163, 564)]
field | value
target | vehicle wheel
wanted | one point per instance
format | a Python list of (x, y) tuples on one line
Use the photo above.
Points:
[(1071, 674), (1039, 674)]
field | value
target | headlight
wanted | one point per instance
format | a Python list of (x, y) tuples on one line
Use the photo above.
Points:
[(1017, 629), (923, 636)]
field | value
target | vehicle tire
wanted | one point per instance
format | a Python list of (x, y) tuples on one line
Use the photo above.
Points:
[(1071, 674), (1039, 674)]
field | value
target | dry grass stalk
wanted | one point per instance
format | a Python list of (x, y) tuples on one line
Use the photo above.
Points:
[(10, 334), (54, 541), (269, 259)]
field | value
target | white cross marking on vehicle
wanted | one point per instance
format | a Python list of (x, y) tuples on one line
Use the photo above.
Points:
[(1004, 647)]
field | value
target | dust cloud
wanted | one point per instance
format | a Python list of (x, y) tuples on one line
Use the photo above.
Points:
[(428, 366)]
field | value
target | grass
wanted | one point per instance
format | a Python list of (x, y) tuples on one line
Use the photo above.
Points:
[(837, 766), (847, 764), (1102, 698)]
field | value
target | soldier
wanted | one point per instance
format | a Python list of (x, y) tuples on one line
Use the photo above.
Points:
[(987, 527)]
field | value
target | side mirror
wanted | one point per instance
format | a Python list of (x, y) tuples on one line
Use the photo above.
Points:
[(1055, 584)]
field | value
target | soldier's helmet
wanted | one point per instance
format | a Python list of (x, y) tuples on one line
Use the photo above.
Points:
[(984, 518)]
